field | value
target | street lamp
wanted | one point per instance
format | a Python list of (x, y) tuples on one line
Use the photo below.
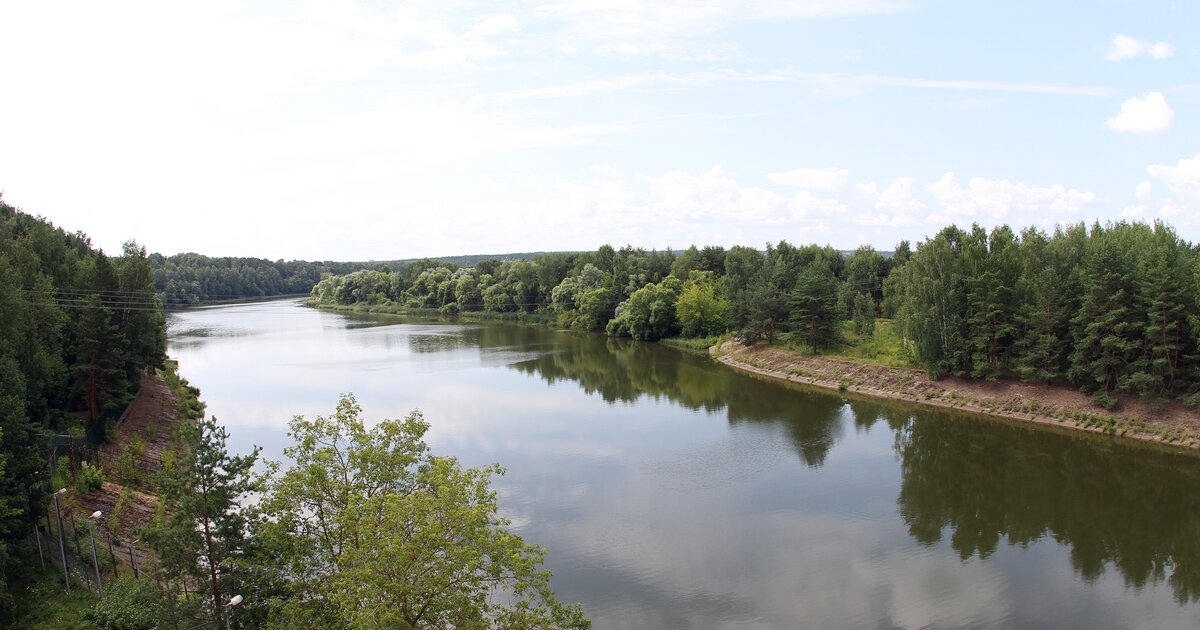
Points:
[(233, 601), (62, 548), (95, 561)]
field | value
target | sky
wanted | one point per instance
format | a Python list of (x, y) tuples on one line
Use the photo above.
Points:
[(372, 130)]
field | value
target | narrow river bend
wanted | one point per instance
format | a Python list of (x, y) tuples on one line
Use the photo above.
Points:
[(672, 492)]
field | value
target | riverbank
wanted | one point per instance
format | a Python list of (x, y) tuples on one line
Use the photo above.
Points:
[(241, 300), (1174, 424), (538, 319)]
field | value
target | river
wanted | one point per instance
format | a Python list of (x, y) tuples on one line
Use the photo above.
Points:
[(672, 492)]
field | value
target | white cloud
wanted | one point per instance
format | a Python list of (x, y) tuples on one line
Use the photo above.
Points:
[(1144, 190), (1126, 47), (1002, 200), (1143, 115), (709, 195), (805, 205), (828, 178), (1183, 179), (897, 197), (893, 206)]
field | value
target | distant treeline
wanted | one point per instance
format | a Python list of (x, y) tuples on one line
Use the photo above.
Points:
[(185, 279), (647, 295), (1104, 308), (77, 330)]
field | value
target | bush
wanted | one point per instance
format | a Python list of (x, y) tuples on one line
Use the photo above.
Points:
[(128, 605), (89, 478), (1104, 399)]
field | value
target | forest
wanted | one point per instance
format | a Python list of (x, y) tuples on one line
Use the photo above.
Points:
[(78, 333), (77, 330), (1106, 308), (191, 279)]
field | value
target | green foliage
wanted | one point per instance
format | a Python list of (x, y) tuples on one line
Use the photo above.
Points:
[(125, 467), (883, 346), (367, 529), (201, 527), (77, 330), (1110, 309), (701, 308), (649, 313), (42, 604), (865, 273), (863, 315), (89, 478), (815, 313), (129, 605), (595, 307)]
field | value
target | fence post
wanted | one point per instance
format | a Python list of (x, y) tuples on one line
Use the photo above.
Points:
[(37, 533), (62, 548)]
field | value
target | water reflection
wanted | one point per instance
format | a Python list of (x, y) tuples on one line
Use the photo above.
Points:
[(1113, 504), (620, 370), (1127, 506), (670, 491)]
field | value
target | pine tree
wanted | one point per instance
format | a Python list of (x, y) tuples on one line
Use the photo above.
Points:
[(1167, 289), (992, 271), (1108, 326), (815, 312), (201, 529)]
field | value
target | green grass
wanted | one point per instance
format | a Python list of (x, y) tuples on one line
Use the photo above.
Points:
[(42, 603), (697, 344), (543, 319), (884, 348)]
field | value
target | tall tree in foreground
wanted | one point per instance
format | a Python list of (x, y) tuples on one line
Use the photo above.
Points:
[(367, 529), (201, 529)]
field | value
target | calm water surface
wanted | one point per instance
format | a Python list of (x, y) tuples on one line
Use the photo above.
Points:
[(671, 492)]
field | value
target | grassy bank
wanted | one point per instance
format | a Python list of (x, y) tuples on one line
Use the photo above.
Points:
[(539, 319), (697, 344)]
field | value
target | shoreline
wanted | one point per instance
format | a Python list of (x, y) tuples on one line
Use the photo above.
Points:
[(1045, 405), (1173, 426), (531, 319)]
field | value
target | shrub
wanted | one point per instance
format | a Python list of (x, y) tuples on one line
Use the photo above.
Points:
[(89, 479), (127, 605), (1104, 399)]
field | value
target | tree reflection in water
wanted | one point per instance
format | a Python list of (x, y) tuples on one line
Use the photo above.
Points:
[(977, 480), (1127, 505)]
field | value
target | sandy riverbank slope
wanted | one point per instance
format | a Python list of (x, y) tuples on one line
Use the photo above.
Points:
[(1173, 424)]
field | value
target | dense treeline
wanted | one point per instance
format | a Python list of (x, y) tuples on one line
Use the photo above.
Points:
[(77, 330), (800, 292), (1107, 309), (185, 279)]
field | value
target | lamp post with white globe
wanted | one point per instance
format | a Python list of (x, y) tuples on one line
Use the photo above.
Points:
[(95, 561), (233, 601)]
